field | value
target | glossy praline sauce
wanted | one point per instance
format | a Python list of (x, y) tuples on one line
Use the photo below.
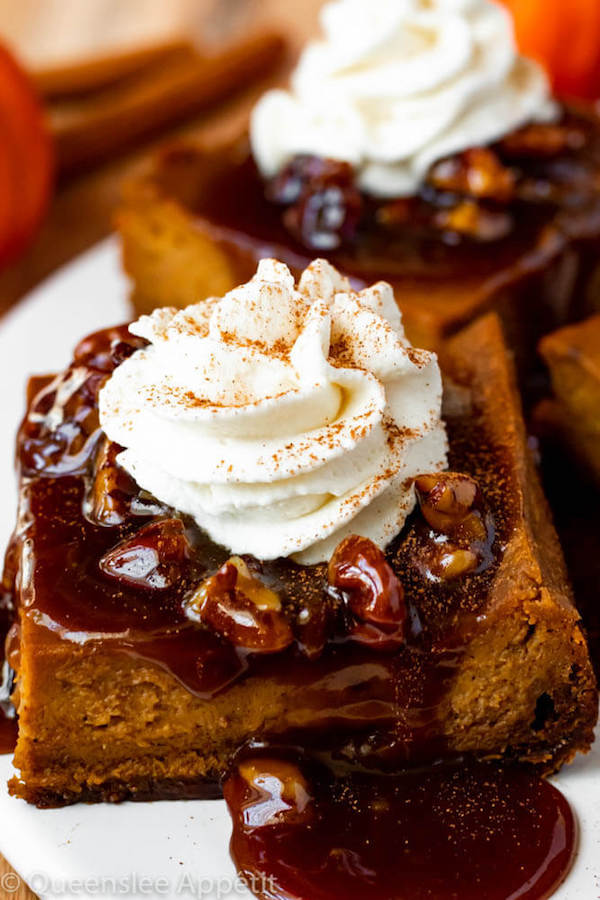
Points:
[(466, 831), (369, 710)]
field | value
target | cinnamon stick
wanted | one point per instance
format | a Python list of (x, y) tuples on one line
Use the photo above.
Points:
[(80, 78), (86, 133)]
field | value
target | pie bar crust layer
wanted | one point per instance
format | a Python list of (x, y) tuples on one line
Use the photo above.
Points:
[(116, 709)]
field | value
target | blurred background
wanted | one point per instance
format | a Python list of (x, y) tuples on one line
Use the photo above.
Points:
[(47, 33), (114, 80), (89, 88)]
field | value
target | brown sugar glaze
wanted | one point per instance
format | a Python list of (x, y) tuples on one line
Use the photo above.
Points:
[(68, 596), (450, 832)]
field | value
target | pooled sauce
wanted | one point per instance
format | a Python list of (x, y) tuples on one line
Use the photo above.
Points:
[(465, 831)]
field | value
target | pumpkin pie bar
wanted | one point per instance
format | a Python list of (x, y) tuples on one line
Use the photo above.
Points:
[(146, 654), (465, 201), (572, 355)]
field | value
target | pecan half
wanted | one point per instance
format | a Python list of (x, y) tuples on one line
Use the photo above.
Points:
[(542, 140), (112, 488), (61, 430), (241, 608), (105, 350), (453, 506), (451, 503), (154, 558), (477, 173), (324, 205), (371, 590)]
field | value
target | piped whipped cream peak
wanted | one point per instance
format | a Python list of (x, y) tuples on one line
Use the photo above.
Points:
[(395, 85), (282, 417)]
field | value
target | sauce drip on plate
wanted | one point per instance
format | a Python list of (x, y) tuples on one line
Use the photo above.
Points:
[(451, 832)]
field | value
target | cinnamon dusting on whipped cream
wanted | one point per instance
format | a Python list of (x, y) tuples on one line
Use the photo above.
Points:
[(282, 417)]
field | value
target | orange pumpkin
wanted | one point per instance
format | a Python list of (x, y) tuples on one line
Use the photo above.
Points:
[(26, 160), (563, 35)]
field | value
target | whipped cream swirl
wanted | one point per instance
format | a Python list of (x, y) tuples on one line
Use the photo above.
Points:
[(396, 85), (280, 417)]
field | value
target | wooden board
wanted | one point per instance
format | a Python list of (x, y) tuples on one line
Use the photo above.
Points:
[(11, 885)]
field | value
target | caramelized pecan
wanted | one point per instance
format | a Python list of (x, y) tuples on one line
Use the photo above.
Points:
[(313, 625), (453, 506), (471, 219), (323, 203), (539, 140), (372, 592), (112, 488), (154, 558), (451, 503), (452, 562), (241, 608), (477, 173), (105, 350), (61, 430)]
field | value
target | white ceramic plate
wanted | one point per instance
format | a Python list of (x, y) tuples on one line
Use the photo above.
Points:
[(155, 849)]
